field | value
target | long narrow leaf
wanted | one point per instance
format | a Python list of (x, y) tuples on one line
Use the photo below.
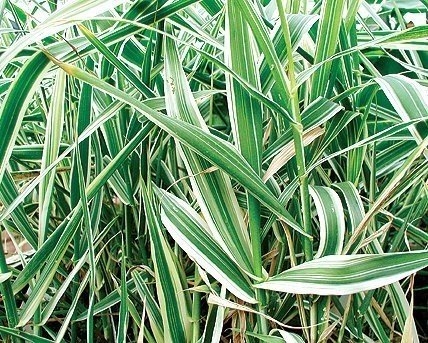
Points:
[(192, 235), (170, 292), (347, 274), (219, 152)]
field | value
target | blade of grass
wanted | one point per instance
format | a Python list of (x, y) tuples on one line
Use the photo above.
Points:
[(192, 235), (173, 308), (326, 43), (217, 151), (213, 190), (347, 274), (54, 128)]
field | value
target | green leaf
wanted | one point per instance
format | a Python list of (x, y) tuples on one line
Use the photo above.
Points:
[(215, 150), (152, 308), (299, 25), (194, 237), (286, 337), (353, 204), (5, 276), (123, 309), (405, 5), (24, 335), (347, 274), (214, 323), (246, 113), (332, 222), (54, 128), (409, 99), (60, 20), (15, 104), (261, 35), (8, 193), (213, 190), (108, 54), (317, 113), (326, 43), (172, 303)]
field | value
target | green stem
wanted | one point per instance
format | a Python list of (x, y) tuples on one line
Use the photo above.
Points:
[(75, 284), (297, 130), (314, 321), (299, 298)]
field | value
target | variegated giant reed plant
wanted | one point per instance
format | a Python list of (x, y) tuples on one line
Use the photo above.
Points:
[(213, 170)]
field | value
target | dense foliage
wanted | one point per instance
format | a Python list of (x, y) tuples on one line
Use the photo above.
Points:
[(213, 171)]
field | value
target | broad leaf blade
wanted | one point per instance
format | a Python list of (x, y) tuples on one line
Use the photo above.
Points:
[(192, 235), (170, 292), (332, 222), (347, 274), (213, 190)]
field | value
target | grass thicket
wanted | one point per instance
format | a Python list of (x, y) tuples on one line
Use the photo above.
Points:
[(213, 171)]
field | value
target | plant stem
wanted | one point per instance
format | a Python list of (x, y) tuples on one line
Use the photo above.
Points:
[(297, 130), (299, 298)]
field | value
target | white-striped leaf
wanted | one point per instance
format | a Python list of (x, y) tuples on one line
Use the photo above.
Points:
[(213, 190), (20, 335), (383, 135), (299, 25), (73, 11), (215, 319), (193, 236), (409, 99), (8, 193), (217, 151), (416, 33), (246, 112), (288, 151), (251, 15), (347, 274), (4, 276), (170, 292), (288, 337), (152, 308), (57, 243), (332, 222), (326, 43), (16, 102), (354, 205), (316, 114), (54, 127)]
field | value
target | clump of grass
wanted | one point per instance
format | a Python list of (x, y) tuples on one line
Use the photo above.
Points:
[(211, 171)]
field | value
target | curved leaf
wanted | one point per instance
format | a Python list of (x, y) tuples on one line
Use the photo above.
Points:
[(409, 99), (332, 222), (193, 236), (347, 274), (219, 152)]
